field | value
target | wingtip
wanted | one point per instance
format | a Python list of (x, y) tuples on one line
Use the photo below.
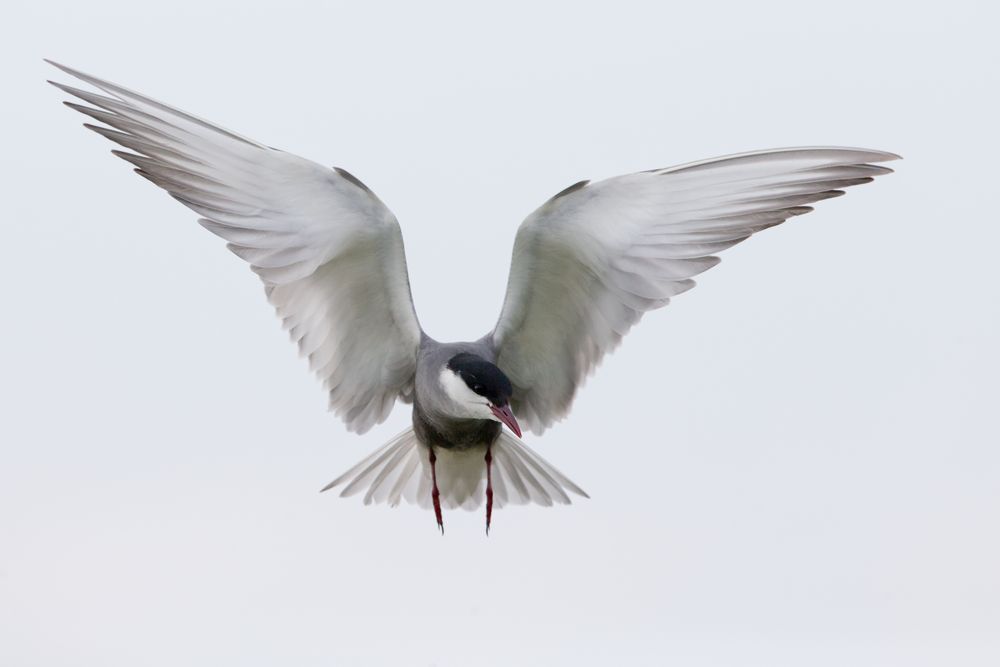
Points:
[(70, 90), (871, 154), (881, 156), (60, 66), (60, 86), (878, 156)]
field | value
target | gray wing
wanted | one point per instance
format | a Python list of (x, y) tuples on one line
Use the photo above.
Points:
[(595, 257), (328, 250)]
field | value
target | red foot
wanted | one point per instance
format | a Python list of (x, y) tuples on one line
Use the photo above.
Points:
[(489, 489), (435, 494)]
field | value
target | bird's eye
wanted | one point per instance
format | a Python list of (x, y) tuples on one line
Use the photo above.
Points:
[(477, 388)]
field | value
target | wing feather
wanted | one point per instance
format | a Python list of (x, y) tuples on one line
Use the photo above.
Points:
[(593, 259), (328, 250)]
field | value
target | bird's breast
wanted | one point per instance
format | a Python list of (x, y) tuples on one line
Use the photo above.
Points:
[(455, 434)]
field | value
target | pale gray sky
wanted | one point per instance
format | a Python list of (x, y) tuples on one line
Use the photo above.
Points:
[(815, 484)]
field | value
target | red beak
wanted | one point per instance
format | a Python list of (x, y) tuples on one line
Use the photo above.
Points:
[(507, 417)]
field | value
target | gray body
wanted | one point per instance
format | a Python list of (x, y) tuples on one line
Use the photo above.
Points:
[(433, 423)]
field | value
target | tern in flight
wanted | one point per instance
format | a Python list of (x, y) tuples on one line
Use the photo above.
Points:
[(586, 266)]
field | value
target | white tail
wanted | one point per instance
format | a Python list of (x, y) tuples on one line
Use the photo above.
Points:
[(400, 470)]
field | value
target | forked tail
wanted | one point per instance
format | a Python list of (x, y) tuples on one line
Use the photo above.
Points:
[(400, 470)]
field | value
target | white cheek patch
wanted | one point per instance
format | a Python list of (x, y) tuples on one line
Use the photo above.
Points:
[(465, 402)]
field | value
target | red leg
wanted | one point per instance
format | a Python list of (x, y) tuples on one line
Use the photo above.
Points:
[(489, 489), (435, 494)]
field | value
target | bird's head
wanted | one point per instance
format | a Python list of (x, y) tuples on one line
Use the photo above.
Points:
[(478, 390)]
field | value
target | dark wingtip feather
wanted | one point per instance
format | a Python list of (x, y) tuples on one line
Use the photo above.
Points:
[(70, 90), (60, 66), (875, 169), (138, 160), (66, 68)]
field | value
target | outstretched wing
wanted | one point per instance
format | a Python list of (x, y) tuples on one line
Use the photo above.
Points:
[(328, 250), (595, 257)]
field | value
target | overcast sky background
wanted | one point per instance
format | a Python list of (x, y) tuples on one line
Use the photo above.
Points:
[(797, 463)]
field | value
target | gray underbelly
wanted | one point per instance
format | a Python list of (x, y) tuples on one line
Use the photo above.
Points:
[(458, 435)]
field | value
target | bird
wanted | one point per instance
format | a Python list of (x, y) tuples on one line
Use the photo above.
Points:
[(586, 266)]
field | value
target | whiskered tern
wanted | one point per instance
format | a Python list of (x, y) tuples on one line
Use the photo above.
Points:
[(586, 266)]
